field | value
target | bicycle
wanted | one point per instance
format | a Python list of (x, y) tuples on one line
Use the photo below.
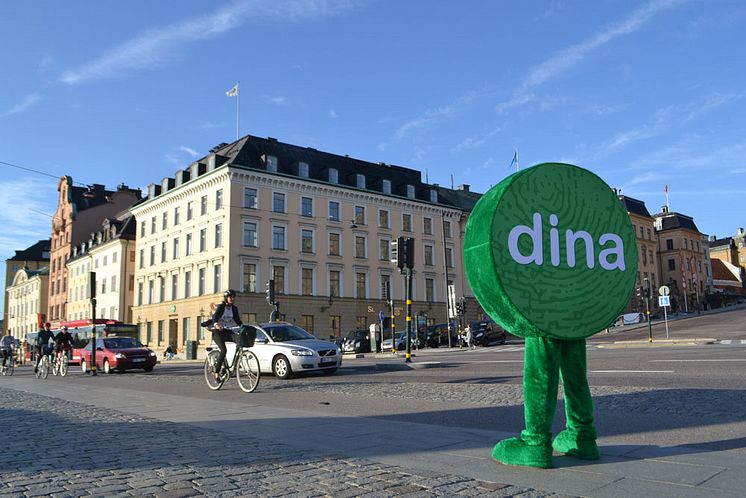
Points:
[(243, 362), (45, 364), (10, 364), (60, 364)]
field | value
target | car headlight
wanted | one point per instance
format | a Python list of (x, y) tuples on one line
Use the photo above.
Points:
[(119, 356), (152, 353), (301, 352)]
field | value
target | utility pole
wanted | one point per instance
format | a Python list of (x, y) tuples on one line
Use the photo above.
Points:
[(92, 284), (647, 293)]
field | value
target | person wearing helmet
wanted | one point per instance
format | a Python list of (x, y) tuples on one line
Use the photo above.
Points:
[(226, 316)]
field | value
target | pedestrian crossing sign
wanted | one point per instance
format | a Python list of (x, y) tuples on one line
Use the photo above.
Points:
[(664, 300)]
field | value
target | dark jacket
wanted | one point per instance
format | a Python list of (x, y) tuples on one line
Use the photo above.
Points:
[(219, 314), (43, 338)]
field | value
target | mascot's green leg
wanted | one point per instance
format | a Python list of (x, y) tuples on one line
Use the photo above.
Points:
[(540, 378), (579, 437)]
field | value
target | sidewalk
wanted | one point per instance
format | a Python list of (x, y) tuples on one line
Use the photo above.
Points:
[(425, 451)]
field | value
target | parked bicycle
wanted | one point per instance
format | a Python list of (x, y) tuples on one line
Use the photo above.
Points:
[(10, 364), (239, 361)]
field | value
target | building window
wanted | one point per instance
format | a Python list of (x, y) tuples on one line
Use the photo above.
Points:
[(360, 215), (383, 246), (360, 247), (203, 205), (383, 218), (644, 254), (249, 234), (114, 283), (176, 248), (176, 216), (306, 281), (152, 255), (307, 323), (410, 191), (160, 331), (202, 239), (427, 225), (151, 286), (433, 195), (271, 163), (406, 222), (219, 199), (447, 228), (386, 186), (334, 245), (217, 278), (187, 284), (385, 283), (669, 244), (162, 289), (449, 257), (174, 287), (303, 170), (671, 264), (201, 282), (152, 225), (219, 235), (142, 232), (360, 180), (361, 322), (186, 324), (278, 238), (278, 274), (142, 258), (278, 202), (429, 255), (189, 244), (429, 290), (306, 241), (139, 293), (333, 210), (190, 210), (164, 221), (249, 278), (306, 206), (334, 283), (333, 175), (360, 285), (250, 199), (148, 332), (335, 331)]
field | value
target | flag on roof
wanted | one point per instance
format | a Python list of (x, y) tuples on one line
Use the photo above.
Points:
[(233, 92)]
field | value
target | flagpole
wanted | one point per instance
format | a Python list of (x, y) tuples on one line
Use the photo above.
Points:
[(238, 109), (668, 206)]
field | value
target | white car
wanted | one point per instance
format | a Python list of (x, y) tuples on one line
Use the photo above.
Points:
[(285, 349), (401, 342)]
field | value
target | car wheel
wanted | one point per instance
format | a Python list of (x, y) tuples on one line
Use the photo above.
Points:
[(148, 369), (107, 366), (83, 366), (281, 368)]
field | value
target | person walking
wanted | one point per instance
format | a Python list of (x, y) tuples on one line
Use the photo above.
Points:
[(468, 337)]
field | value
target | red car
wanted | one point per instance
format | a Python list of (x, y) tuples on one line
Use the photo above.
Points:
[(118, 353)]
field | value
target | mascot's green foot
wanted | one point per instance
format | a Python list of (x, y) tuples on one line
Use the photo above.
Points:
[(585, 449), (515, 451)]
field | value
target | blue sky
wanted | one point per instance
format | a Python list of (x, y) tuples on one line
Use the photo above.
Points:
[(643, 93)]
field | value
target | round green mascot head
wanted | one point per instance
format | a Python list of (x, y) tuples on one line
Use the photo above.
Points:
[(550, 251)]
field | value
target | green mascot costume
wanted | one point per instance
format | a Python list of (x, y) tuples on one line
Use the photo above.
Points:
[(551, 255)]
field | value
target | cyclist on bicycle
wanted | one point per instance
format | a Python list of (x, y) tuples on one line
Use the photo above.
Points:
[(42, 343), (63, 343), (226, 316), (6, 346)]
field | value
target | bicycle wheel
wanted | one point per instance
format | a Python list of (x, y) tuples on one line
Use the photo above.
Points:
[(10, 366), (247, 372), (44, 367), (210, 367), (63, 365), (55, 367)]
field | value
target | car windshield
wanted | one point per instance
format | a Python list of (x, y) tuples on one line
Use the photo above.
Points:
[(121, 343), (356, 334), (282, 333)]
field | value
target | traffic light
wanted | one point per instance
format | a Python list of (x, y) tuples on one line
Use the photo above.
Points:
[(402, 252), (395, 245), (271, 291), (640, 292), (463, 306), (409, 253), (647, 290), (459, 308)]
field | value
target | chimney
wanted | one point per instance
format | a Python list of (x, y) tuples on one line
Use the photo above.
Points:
[(713, 238), (740, 232), (464, 187), (664, 209)]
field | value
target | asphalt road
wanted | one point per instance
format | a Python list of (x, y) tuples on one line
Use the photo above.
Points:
[(662, 393)]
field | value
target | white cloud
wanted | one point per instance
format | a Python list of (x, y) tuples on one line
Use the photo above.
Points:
[(711, 102), (474, 142), (189, 151), (572, 55), (158, 45), (660, 124), (27, 102), (278, 100), (333, 114)]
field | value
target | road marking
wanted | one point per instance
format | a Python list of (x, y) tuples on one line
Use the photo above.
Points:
[(631, 371), (727, 341), (715, 359), (497, 361)]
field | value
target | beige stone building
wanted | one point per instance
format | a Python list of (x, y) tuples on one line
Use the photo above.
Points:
[(647, 251), (320, 225), (681, 259), (35, 257), (79, 294), (80, 211), (27, 300)]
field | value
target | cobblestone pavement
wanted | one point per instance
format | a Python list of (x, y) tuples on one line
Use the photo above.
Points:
[(64, 449)]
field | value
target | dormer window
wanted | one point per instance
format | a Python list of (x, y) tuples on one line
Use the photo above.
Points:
[(433, 195), (270, 162), (333, 175), (410, 191), (303, 170), (386, 185), (360, 180)]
